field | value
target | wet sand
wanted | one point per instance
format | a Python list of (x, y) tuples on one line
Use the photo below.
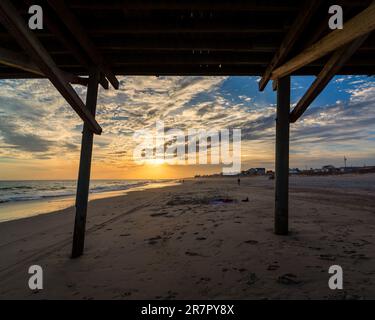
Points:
[(200, 240)]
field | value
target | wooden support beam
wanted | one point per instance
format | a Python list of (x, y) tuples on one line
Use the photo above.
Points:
[(26, 39), (331, 68), (303, 18), (72, 46), (103, 81), (73, 79), (360, 25), (20, 61), (187, 43), (318, 32), (282, 157), (79, 33), (191, 58), (195, 5), (274, 85), (174, 26), (193, 70), (83, 184)]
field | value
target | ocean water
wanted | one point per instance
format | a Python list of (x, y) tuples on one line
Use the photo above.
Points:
[(11, 191), (21, 199)]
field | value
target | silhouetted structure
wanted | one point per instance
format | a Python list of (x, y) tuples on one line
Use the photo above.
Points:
[(104, 38)]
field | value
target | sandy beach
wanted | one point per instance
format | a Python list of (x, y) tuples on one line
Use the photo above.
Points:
[(201, 240)]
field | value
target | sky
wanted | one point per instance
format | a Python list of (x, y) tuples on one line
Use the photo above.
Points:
[(40, 134)]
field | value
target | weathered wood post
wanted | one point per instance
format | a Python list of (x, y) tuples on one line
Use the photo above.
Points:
[(282, 156), (85, 169)]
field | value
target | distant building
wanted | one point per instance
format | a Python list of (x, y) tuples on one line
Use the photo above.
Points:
[(294, 171), (329, 169), (250, 172), (254, 172), (261, 171)]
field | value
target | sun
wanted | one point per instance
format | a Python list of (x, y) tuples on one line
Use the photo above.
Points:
[(155, 162)]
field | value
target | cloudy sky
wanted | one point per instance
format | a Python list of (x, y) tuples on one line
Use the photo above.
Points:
[(40, 134)]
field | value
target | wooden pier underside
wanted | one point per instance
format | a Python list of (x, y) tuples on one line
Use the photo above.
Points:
[(92, 42)]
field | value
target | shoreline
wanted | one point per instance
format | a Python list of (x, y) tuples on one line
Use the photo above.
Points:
[(31, 208), (58, 202)]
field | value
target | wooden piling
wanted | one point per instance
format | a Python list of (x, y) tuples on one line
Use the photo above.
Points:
[(282, 156), (84, 169)]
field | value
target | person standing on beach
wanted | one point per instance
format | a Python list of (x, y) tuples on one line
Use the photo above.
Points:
[(239, 181)]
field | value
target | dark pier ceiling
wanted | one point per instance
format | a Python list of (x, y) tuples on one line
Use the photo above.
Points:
[(173, 37)]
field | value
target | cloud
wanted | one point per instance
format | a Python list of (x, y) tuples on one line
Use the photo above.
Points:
[(36, 122), (22, 141)]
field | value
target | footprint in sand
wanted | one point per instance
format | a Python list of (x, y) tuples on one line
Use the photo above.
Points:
[(158, 214), (273, 267), (361, 243), (288, 279), (251, 242), (328, 257), (153, 240), (252, 278), (201, 238), (315, 248), (126, 294), (193, 254), (360, 256), (203, 280)]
